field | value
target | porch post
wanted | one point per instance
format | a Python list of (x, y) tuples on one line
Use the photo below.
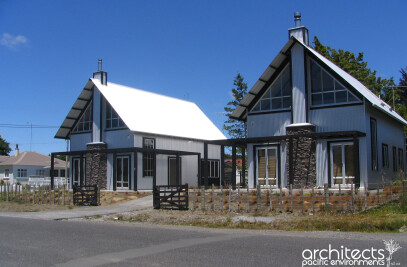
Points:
[(177, 168), (222, 164), (199, 170), (154, 170), (206, 164), (135, 170), (356, 152), (243, 177), (81, 178), (52, 171), (290, 162), (234, 166), (114, 171)]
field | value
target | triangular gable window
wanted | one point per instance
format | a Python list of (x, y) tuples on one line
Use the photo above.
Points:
[(113, 120), (278, 95), (326, 90), (85, 123)]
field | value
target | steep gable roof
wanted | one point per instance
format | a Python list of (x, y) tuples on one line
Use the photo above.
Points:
[(153, 113), (240, 112)]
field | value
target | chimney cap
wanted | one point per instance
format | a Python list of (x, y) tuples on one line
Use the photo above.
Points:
[(99, 64), (297, 19)]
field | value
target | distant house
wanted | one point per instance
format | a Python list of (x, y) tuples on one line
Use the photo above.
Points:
[(22, 166), (123, 138), (310, 123)]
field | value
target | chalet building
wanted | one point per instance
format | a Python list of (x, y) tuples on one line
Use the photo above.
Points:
[(123, 138), (310, 123)]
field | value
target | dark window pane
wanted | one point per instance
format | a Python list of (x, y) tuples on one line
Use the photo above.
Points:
[(265, 104), (316, 85), (341, 96), (328, 98), (286, 102), (266, 94), (351, 97), (276, 88), (256, 107), (338, 86), (276, 103), (317, 99), (327, 82)]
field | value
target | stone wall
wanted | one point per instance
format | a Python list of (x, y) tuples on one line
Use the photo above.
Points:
[(96, 166), (304, 160)]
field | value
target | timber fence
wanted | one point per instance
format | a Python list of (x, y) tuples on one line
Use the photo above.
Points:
[(306, 200), (35, 194)]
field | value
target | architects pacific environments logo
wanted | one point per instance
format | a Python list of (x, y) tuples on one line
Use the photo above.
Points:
[(345, 256)]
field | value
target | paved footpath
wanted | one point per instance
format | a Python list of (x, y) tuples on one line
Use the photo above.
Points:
[(140, 204)]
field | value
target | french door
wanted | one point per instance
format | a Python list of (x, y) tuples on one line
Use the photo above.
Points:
[(122, 172), (267, 166), (78, 173), (343, 163)]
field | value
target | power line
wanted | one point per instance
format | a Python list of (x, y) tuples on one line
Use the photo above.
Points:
[(27, 126)]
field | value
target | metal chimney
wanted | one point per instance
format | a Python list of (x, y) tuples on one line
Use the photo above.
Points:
[(99, 64), (297, 19), (100, 74), (16, 151)]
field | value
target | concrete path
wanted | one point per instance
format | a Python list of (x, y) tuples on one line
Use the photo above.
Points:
[(143, 203)]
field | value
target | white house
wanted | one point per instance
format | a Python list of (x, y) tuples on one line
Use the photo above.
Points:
[(123, 138), (22, 166), (310, 123)]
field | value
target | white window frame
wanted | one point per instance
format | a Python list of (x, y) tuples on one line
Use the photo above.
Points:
[(40, 172), (344, 177), (267, 178), (6, 173)]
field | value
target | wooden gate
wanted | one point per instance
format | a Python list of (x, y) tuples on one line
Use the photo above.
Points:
[(85, 195), (171, 197)]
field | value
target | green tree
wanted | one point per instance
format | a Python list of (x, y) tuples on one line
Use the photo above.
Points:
[(4, 147), (236, 129)]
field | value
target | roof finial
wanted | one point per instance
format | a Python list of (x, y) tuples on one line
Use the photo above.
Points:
[(297, 19), (100, 64)]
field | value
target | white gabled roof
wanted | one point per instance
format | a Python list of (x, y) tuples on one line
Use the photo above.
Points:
[(153, 113), (240, 112)]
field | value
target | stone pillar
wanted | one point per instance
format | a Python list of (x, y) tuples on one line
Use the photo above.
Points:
[(96, 166), (303, 156)]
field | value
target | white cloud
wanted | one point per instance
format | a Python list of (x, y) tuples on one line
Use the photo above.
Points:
[(11, 41)]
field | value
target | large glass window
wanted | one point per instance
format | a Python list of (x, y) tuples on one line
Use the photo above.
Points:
[(40, 172), (373, 141), (325, 90), (148, 157), (343, 162), (278, 95), (112, 118), (85, 123)]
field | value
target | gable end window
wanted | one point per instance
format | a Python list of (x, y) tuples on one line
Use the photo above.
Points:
[(85, 123), (148, 157), (373, 141), (113, 121), (326, 90), (278, 95), (385, 156)]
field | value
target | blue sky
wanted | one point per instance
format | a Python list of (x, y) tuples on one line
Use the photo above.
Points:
[(185, 49)]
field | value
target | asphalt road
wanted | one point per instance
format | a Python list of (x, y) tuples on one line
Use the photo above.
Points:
[(33, 242)]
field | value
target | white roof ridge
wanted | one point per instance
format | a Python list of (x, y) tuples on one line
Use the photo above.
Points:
[(144, 91)]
